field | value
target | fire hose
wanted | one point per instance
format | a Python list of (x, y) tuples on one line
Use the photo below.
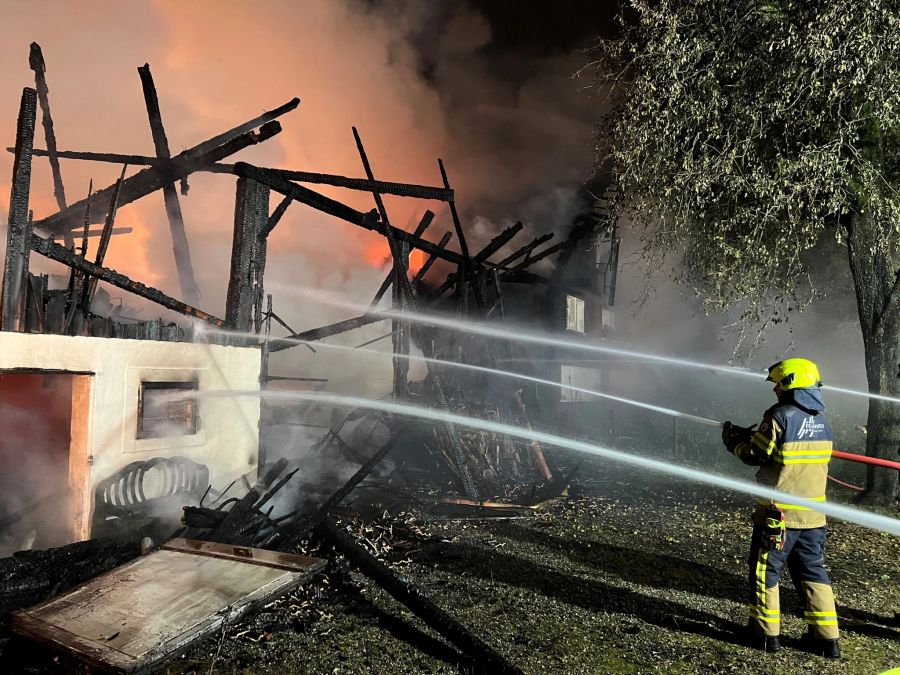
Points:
[(853, 457), (876, 461), (847, 456)]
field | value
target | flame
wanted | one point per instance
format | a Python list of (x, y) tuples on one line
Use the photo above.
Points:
[(378, 254)]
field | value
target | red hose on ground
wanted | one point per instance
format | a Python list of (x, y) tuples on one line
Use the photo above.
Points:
[(846, 485), (877, 461)]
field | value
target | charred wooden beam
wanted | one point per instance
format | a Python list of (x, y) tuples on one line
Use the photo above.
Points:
[(373, 341), (401, 326), (497, 243), (180, 246), (431, 259), (149, 180), (314, 334), (420, 230), (468, 268), (320, 202), (386, 187), (91, 285), (147, 160), (274, 218), (76, 278), (261, 445), (258, 278), (540, 256), (234, 521), (305, 196), (449, 282), (15, 270), (498, 290), (251, 212), (525, 250), (415, 598), (36, 61), (241, 129), (107, 157), (272, 315), (362, 184), (425, 245), (67, 257)]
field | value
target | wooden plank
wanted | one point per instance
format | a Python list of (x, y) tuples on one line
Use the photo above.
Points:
[(134, 617), (245, 554)]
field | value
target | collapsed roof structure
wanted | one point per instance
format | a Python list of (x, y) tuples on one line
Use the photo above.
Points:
[(474, 289)]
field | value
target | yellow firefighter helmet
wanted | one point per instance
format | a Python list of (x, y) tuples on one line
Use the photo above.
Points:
[(795, 374)]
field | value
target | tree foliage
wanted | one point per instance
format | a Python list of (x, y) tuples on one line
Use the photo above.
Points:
[(745, 130)]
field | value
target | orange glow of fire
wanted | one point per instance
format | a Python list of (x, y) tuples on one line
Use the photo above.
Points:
[(378, 254)]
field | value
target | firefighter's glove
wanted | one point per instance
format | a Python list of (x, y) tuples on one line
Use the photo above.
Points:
[(774, 531), (733, 435)]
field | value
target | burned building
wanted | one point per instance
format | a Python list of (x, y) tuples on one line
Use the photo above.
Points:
[(118, 424)]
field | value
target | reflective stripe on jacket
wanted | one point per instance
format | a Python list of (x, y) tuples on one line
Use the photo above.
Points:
[(792, 447)]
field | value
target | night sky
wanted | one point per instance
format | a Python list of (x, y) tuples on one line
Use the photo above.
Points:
[(537, 27)]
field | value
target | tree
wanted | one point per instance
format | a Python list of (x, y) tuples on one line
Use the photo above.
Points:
[(745, 131)]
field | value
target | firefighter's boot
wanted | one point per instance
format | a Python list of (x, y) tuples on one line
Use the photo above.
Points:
[(766, 643), (828, 648)]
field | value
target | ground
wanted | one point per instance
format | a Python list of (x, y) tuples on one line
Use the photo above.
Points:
[(630, 574), (620, 579)]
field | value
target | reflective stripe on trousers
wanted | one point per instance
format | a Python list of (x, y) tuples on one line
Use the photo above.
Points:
[(803, 553)]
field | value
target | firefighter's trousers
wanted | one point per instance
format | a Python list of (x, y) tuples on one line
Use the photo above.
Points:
[(804, 555)]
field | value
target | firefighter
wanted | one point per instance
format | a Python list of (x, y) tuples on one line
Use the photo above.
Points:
[(792, 447)]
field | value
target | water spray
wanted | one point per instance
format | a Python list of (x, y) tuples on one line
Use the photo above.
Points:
[(523, 334), (501, 373), (837, 454), (863, 518)]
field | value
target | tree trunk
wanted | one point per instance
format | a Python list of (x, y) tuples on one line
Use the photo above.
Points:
[(877, 287)]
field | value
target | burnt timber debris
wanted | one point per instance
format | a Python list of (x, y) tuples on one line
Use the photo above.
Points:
[(476, 464)]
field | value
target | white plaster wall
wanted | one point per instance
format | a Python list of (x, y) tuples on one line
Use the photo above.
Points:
[(229, 427)]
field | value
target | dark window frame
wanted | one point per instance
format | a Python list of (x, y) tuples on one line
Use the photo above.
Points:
[(184, 385)]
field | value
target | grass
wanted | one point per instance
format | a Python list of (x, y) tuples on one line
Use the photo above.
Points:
[(628, 577)]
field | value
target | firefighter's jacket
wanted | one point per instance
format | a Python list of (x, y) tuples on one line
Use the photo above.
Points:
[(792, 447)]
